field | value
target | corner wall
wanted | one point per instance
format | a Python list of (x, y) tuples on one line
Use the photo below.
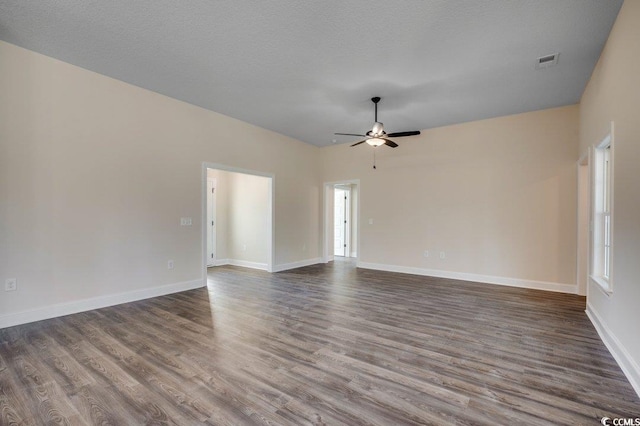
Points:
[(95, 175), (497, 196), (613, 94)]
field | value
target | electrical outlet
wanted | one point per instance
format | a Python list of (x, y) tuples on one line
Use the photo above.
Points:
[(170, 264), (304, 247), (426, 253), (244, 247), (442, 255), (11, 284), (370, 221)]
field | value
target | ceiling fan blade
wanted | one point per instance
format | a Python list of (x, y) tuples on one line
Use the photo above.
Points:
[(392, 144), (402, 134), (358, 143), (349, 134)]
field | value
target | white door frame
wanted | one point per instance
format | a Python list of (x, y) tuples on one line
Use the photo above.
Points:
[(583, 242), (212, 221), (327, 231), (270, 211)]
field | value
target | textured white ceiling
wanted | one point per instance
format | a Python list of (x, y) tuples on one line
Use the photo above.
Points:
[(307, 69)]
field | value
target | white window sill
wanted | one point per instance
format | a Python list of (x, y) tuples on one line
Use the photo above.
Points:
[(604, 285)]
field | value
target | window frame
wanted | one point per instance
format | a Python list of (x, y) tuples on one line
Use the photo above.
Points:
[(602, 214)]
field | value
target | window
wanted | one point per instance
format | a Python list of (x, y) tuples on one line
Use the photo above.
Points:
[(602, 218)]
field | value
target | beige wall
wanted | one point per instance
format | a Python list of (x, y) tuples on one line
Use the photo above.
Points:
[(248, 203), (497, 196), (613, 94), (95, 175)]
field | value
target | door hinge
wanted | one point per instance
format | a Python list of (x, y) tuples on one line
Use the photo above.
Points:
[(213, 190), (211, 223), (345, 221), (345, 246)]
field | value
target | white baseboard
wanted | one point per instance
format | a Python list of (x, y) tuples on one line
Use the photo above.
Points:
[(247, 264), (353, 254), (464, 276), (298, 264), (68, 308), (242, 263), (627, 364)]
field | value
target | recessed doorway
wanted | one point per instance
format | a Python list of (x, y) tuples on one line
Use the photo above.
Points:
[(237, 217), (341, 207)]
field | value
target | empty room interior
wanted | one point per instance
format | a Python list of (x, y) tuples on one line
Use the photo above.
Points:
[(340, 212)]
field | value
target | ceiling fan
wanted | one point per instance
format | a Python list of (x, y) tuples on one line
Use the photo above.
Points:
[(377, 136)]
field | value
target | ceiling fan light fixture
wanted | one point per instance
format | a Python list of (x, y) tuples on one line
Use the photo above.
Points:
[(377, 136), (376, 141)]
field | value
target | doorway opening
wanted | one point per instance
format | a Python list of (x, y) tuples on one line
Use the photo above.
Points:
[(237, 217), (342, 220), (341, 225)]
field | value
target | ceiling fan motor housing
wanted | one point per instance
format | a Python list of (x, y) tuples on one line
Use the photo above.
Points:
[(378, 129)]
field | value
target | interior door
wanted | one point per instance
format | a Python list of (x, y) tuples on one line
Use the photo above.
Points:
[(211, 222)]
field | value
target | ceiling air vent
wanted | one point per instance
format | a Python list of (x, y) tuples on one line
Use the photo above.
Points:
[(547, 61)]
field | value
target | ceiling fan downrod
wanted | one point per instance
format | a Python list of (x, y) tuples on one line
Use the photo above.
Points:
[(375, 101)]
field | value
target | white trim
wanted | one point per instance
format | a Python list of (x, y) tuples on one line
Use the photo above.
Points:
[(247, 264), (68, 308), (298, 264), (602, 284), (627, 364), (354, 254), (263, 266), (211, 218), (605, 284), (464, 276), (242, 263), (584, 232)]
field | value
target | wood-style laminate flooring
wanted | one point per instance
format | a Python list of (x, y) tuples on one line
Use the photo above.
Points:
[(323, 345)]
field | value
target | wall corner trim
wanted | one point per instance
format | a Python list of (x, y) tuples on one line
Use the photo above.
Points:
[(464, 276), (68, 308), (627, 364), (298, 264)]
